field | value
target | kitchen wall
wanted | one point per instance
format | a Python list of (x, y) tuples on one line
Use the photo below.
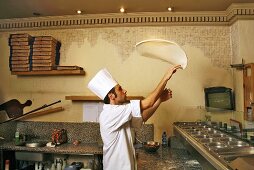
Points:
[(208, 48), (242, 44)]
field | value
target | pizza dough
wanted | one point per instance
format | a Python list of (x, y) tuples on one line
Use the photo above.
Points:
[(163, 50)]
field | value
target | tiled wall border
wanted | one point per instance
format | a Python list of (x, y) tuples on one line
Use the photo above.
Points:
[(233, 13)]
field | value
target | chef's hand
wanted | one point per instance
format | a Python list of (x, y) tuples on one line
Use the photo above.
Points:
[(171, 71), (166, 95)]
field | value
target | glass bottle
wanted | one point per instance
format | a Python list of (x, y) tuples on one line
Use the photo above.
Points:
[(164, 139)]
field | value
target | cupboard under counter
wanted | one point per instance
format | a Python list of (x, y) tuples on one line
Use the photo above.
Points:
[(90, 153)]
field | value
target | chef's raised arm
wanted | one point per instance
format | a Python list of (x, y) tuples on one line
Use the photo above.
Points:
[(153, 101)]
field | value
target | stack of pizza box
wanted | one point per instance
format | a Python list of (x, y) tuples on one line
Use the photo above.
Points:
[(20, 52), (46, 53)]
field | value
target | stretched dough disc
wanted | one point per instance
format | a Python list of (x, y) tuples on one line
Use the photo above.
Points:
[(164, 50)]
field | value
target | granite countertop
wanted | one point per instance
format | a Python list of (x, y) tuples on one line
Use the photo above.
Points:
[(164, 158), (66, 148)]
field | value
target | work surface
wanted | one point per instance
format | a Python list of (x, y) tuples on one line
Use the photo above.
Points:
[(164, 158), (167, 158)]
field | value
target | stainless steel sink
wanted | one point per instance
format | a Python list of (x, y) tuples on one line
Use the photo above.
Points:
[(216, 145), (228, 139), (214, 132), (201, 136), (196, 133), (35, 144), (219, 135), (237, 143), (186, 128), (192, 130), (233, 152), (208, 140)]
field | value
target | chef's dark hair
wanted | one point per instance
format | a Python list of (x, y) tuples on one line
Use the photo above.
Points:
[(106, 99)]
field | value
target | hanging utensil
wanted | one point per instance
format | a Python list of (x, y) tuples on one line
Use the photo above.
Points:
[(14, 108), (42, 107)]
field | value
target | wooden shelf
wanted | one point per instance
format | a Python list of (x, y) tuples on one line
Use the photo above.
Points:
[(97, 99), (51, 72)]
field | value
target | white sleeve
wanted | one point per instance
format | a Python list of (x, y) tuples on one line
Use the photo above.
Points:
[(135, 108), (137, 119)]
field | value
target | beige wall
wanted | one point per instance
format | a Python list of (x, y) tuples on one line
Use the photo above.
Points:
[(242, 42), (209, 54)]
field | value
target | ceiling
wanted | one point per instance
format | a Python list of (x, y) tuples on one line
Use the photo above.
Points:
[(30, 8)]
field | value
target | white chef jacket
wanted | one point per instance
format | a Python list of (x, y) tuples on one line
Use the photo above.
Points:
[(115, 128)]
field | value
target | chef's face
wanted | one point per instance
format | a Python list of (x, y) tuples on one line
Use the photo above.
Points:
[(120, 94)]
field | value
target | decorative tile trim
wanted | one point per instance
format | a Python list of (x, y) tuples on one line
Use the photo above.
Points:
[(239, 11), (233, 13)]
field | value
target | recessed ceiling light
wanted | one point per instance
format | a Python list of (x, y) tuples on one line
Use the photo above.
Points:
[(170, 9), (122, 10), (79, 11)]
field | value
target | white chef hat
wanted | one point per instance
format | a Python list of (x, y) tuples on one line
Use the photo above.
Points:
[(102, 83)]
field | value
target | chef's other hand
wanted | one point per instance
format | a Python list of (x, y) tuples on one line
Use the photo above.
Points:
[(171, 71), (166, 95)]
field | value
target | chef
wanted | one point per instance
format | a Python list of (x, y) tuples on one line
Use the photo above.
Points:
[(117, 117)]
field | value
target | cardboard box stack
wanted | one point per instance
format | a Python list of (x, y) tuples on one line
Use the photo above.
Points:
[(20, 52), (46, 53), (41, 53)]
